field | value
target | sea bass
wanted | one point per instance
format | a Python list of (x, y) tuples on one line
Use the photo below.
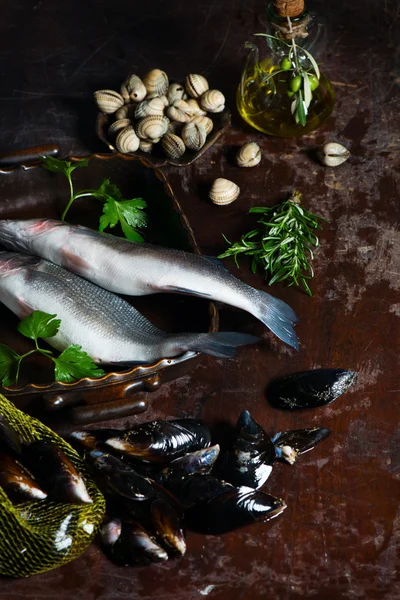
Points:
[(107, 327), (136, 269)]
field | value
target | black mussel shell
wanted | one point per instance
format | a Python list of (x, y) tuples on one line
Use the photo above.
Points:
[(17, 482), (309, 389), (55, 472), (249, 460), (199, 488), (9, 439), (161, 441), (168, 524), (290, 443), (200, 461), (92, 439), (233, 509), (134, 546)]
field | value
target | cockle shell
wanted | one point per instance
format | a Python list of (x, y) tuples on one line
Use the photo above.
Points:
[(197, 111), (108, 101), (213, 101), (152, 128), (164, 100), (117, 125), (176, 91), (145, 146), (206, 122), (148, 108), (248, 155), (180, 111), (174, 127), (173, 145), (196, 85), (194, 135), (127, 140), (333, 154), (223, 191), (156, 82), (135, 88), (123, 112)]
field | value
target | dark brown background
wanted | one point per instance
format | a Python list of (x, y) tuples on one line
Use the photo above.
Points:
[(339, 537)]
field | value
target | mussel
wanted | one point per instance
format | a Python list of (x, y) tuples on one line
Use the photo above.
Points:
[(233, 509), (55, 472), (309, 389), (289, 444), (197, 488), (17, 482), (128, 543), (201, 461), (248, 462)]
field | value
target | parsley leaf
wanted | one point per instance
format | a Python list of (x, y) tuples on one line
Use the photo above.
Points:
[(62, 166), (9, 361), (39, 325), (73, 363)]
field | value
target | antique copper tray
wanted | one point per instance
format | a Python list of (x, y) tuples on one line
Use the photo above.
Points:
[(29, 191)]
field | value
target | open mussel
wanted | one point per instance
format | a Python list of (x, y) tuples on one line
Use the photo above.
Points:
[(128, 543), (289, 444), (17, 482), (55, 473), (234, 508), (309, 389), (248, 462), (162, 441)]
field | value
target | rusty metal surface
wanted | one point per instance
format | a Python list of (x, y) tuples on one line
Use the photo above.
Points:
[(339, 537)]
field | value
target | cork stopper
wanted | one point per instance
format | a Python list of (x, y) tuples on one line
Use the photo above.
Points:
[(288, 8)]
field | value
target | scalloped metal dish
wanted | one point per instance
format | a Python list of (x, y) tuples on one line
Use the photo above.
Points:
[(112, 395), (221, 123)]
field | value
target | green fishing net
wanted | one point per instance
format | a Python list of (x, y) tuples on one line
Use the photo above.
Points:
[(42, 535)]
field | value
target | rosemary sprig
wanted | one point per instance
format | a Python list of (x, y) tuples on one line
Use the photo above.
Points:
[(282, 245), (302, 81)]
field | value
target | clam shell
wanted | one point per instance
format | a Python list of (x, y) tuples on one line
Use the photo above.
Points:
[(127, 140), (180, 111), (176, 91), (108, 101), (174, 127), (117, 125), (197, 111), (196, 85), (206, 122), (194, 135), (173, 145), (156, 82), (213, 101), (125, 94), (248, 155), (152, 128), (223, 191), (164, 100), (145, 146), (148, 108), (333, 154), (135, 88), (123, 112)]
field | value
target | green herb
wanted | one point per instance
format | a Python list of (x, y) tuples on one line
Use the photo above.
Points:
[(128, 213), (302, 81), (282, 246), (72, 364)]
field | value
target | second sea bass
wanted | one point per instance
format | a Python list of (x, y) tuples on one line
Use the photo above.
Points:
[(107, 327), (135, 269)]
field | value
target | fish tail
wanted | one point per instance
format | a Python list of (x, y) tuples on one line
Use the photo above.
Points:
[(221, 344), (278, 317)]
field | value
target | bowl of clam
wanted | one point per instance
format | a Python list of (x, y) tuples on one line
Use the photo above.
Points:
[(167, 121)]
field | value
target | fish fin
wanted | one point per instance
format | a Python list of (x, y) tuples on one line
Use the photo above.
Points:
[(217, 262), (73, 262), (221, 344), (186, 291), (278, 317)]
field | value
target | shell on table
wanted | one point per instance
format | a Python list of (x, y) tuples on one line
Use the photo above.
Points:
[(194, 135), (333, 154), (156, 83), (180, 111), (196, 85), (223, 191), (118, 125), (248, 155), (135, 88), (146, 146), (206, 122), (127, 140), (176, 91), (108, 101), (148, 108), (212, 101), (152, 128), (196, 109), (173, 145)]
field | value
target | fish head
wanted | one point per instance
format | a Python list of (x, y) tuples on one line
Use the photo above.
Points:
[(19, 235)]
